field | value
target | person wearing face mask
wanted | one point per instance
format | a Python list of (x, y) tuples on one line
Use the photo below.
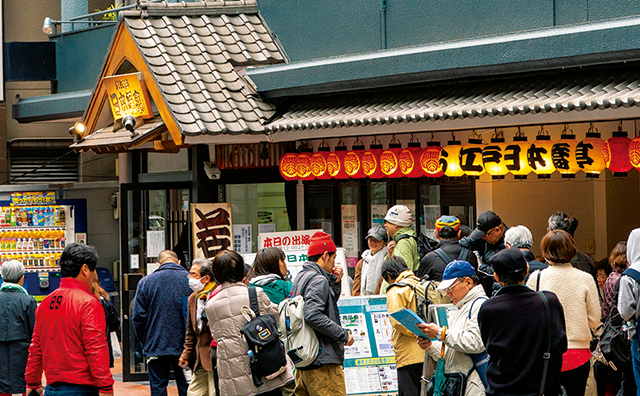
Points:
[(368, 275), (198, 338)]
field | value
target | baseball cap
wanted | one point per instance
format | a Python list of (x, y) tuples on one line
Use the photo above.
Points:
[(319, 243), (379, 233), (508, 261), (399, 215), (454, 270), (486, 221), (448, 221)]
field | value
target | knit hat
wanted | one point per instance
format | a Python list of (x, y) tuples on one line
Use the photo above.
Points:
[(319, 243), (448, 221), (399, 215)]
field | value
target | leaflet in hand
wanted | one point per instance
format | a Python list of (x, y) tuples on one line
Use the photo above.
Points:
[(410, 320)]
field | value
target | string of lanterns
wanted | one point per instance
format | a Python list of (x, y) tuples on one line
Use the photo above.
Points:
[(567, 156)]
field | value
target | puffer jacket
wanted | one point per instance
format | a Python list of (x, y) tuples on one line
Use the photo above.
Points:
[(404, 341), (462, 338), (629, 288), (224, 313), (276, 288)]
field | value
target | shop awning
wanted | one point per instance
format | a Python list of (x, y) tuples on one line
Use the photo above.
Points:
[(575, 95), (106, 140)]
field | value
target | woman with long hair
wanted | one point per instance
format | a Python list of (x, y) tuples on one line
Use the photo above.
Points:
[(269, 273)]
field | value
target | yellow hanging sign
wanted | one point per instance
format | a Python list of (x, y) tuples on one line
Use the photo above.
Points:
[(128, 96)]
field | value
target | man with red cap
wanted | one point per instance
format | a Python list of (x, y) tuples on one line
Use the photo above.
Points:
[(319, 284)]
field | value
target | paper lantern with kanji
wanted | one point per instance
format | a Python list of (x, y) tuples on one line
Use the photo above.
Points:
[(563, 154), (616, 153), (389, 160), (450, 159), (430, 160), (288, 166), (335, 163), (319, 164), (515, 157), (634, 153), (471, 158), (371, 161), (409, 160), (493, 158), (539, 157), (303, 166), (353, 162), (589, 155)]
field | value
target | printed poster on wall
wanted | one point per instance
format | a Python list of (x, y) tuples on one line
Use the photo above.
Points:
[(378, 213), (211, 228), (350, 233), (155, 243), (242, 238), (290, 240), (430, 215)]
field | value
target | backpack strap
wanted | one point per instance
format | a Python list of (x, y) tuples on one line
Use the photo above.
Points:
[(632, 273), (547, 337), (538, 281), (464, 253), (443, 255), (474, 301), (253, 301)]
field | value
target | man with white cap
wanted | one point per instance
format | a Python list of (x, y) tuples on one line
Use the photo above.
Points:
[(462, 334), (399, 225)]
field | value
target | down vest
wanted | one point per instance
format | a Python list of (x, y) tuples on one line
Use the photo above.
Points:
[(224, 312)]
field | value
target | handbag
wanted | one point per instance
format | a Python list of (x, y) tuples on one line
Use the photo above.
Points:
[(547, 355), (455, 385), (614, 344)]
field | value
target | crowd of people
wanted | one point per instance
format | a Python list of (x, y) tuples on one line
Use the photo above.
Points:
[(524, 325)]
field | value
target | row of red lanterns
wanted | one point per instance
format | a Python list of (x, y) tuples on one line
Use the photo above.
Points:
[(543, 157)]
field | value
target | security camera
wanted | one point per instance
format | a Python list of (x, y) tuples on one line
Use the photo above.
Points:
[(129, 122), (212, 170)]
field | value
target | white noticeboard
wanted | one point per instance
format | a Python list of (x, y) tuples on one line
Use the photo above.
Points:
[(155, 243), (242, 238), (350, 233)]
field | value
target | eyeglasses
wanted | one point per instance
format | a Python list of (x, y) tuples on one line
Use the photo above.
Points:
[(450, 288)]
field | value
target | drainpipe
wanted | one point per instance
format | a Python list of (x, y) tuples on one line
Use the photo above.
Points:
[(383, 24), (70, 9)]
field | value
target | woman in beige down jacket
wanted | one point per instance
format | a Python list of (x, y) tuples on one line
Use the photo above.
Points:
[(224, 313), (578, 294)]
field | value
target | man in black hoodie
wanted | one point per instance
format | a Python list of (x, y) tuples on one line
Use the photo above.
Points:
[(487, 239), (515, 320)]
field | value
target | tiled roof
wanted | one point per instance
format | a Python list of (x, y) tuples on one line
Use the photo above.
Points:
[(551, 92), (196, 52)]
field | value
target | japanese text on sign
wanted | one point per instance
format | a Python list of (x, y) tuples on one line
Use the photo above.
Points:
[(291, 240), (128, 95), (33, 198), (212, 229)]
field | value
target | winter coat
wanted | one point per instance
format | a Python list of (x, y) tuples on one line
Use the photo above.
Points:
[(432, 266), (159, 310), (197, 341), (404, 342), (224, 313), (276, 288), (534, 264), (113, 323), (321, 292), (578, 295), (485, 249), (629, 293), (17, 319), (585, 263), (407, 248), (607, 293), (515, 320), (462, 338), (371, 271)]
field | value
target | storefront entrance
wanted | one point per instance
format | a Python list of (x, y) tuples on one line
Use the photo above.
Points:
[(154, 217)]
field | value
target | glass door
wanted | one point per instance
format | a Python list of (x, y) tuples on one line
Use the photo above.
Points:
[(154, 217)]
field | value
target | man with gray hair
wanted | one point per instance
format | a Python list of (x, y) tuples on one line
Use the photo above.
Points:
[(519, 237), (581, 261), (17, 319)]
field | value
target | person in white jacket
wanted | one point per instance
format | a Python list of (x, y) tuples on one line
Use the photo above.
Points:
[(628, 297), (462, 336)]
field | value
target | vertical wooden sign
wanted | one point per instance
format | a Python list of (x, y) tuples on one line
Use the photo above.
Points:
[(212, 229)]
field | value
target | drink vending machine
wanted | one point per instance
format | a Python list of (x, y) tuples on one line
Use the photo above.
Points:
[(34, 229)]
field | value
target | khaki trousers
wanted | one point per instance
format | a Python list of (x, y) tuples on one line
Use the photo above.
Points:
[(202, 383), (327, 380)]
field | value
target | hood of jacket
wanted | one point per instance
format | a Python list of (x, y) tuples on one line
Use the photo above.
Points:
[(404, 230), (264, 280), (633, 247)]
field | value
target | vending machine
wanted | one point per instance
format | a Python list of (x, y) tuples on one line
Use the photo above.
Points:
[(35, 227)]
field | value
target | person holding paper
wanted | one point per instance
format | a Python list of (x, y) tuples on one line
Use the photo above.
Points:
[(462, 336), (409, 356)]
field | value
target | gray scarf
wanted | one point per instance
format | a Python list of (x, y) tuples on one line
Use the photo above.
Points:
[(371, 270)]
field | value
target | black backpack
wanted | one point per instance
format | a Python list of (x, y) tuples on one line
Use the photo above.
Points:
[(425, 244), (267, 355), (487, 280)]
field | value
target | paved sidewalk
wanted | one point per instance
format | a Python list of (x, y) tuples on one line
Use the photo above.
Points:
[(121, 388)]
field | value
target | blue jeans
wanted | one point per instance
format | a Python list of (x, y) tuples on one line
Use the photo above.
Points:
[(635, 359), (64, 389), (159, 372)]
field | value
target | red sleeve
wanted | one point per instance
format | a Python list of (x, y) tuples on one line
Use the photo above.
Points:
[(33, 372), (94, 340)]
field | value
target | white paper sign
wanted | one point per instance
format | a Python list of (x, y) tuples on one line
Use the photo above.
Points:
[(291, 240), (242, 238), (350, 233), (155, 243), (135, 262)]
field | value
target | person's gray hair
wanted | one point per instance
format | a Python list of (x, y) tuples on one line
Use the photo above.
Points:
[(12, 271), (562, 221), (206, 267), (519, 237)]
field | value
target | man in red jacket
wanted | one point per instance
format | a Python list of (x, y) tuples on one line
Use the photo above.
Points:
[(69, 341)]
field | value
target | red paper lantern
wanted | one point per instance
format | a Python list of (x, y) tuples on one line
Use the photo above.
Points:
[(287, 166), (589, 154), (430, 160), (563, 154), (515, 156), (319, 166), (371, 161), (335, 162), (616, 153), (450, 159), (471, 158), (353, 161), (634, 153), (493, 158), (409, 160), (303, 166), (539, 156), (389, 160)]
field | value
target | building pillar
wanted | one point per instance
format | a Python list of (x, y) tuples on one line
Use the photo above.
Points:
[(484, 195), (70, 9), (300, 205)]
